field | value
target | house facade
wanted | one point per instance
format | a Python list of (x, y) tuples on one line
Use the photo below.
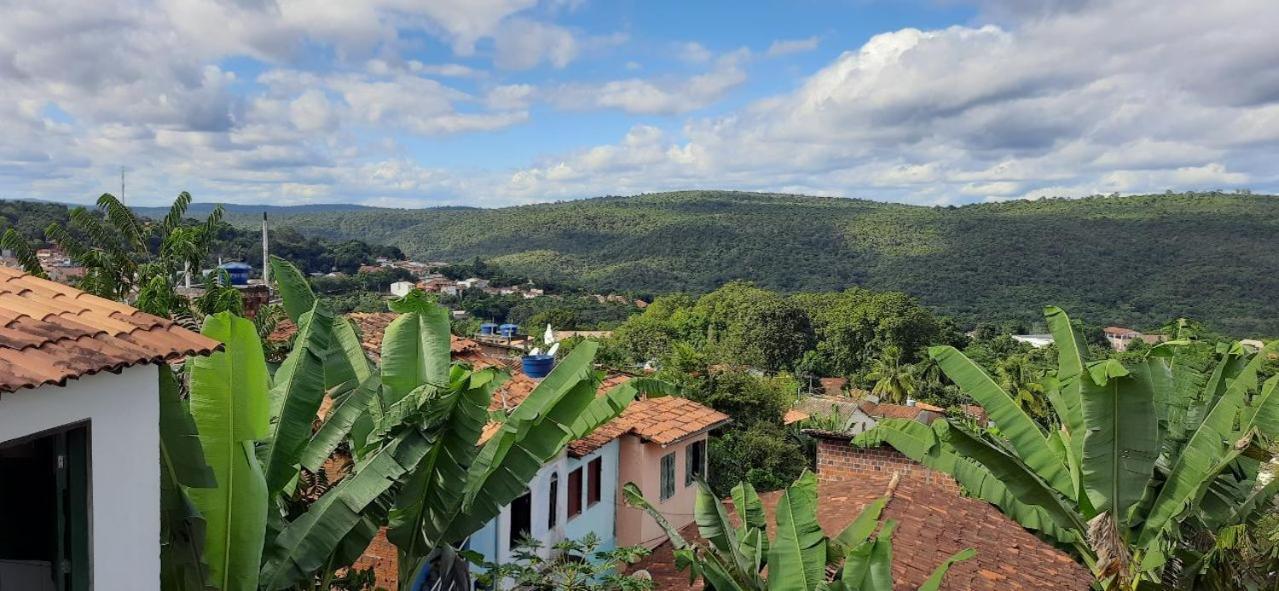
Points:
[(79, 437)]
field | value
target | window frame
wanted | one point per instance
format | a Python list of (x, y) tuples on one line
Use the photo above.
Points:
[(575, 493), (594, 481), (553, 502), (667, 476), (694, 461)]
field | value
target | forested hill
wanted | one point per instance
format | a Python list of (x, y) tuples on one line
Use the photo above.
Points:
[(1138, 261)]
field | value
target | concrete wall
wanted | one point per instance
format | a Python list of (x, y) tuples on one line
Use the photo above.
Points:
[(600, 518), (641, 463), (124, 477)]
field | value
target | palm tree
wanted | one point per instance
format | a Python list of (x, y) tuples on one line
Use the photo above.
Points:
[(1146, 459), (799, 556), (128, 258), (894, 381), (1018, 377)]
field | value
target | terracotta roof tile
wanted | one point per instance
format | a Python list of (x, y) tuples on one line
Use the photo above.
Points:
[(50, 333), (932, 524)]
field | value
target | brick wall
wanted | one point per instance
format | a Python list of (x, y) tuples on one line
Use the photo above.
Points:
[(380, 555), (837, 460)]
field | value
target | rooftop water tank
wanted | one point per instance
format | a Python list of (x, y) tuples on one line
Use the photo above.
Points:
[(238, 272), (538, 366), (508, 330), (488, 329)]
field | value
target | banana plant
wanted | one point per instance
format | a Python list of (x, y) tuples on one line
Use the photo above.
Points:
[(798, 556), (1144, 457)]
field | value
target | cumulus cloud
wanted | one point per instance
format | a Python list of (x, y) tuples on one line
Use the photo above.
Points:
[(1070, 99)]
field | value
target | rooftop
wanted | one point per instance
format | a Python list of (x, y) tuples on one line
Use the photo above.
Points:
[(932, 524), (50, 333)]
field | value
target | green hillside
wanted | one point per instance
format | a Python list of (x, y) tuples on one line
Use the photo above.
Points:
[(1138, 261)]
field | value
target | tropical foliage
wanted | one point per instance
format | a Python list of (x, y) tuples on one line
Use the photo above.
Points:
[(413, 427), (798, 556), (1146, 468), (579, 565)]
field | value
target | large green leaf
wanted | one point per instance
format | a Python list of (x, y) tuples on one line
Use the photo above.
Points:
[(797, 555), (857, 532), (308, 542), (1122, 440), (1263, 412), (182, 528), (714, 525), (337, 425), (634, 497), (1022, 431), (415, 348), (1021, 481), (1071, 348), (933, 583), (293, 287), (229, 406), (430, 499), (922, 443), (346, 366), (296, 398), (1205, 454)]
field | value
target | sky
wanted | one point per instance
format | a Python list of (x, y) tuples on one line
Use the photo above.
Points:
[(410, 103)]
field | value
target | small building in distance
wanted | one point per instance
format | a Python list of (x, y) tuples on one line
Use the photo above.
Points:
[(400, 289), (1037, 341), (1121, 338)]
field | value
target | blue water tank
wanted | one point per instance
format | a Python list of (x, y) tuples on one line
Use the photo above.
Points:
[(488, 329), (238, 272), (508, 330), (538, 366)]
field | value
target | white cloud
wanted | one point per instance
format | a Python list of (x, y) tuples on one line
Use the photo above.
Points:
[(1078, 98), (782, 47), (522, 44), (657, 96), (693, 52)]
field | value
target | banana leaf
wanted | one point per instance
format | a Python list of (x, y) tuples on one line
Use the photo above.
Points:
[(857, 532), (1022, 482), (1022, 432), (713, 524), (296, 398), (337, 425), (182, 528), (229, 406), (1121, 443), (934, 581), (430, 499), (415, 348), (308, 542), (797, 555), (922, 443), (753, 529), (1202, 457), (294, 289)]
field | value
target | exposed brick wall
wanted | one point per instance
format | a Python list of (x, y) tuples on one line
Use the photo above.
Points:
[(837, 460), (380, 555)]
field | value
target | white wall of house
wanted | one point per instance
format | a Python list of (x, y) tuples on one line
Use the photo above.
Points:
[(860, 422), (401, 288), (124, 450)]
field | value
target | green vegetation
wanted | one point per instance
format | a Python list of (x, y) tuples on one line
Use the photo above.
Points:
[(1133, 261), (798, 557), (1149, 470), (254, 519), (579, 565)]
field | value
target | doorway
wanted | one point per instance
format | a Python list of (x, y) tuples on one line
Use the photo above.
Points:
[(44, 511)]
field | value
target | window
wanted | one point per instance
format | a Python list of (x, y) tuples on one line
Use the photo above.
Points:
[(595, 472), (44, 523), (553, 501), (694, 461), (575, 493), (668, 476), (521, 520)]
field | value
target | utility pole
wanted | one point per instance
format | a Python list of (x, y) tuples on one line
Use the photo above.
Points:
[(266, 257)]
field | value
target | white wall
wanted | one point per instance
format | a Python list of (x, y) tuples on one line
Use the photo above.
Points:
[(124, 450)]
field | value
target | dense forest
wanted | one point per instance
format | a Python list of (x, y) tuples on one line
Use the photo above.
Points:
[(1135, 261)]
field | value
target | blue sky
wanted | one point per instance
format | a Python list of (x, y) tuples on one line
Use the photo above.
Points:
[(501, 102)]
